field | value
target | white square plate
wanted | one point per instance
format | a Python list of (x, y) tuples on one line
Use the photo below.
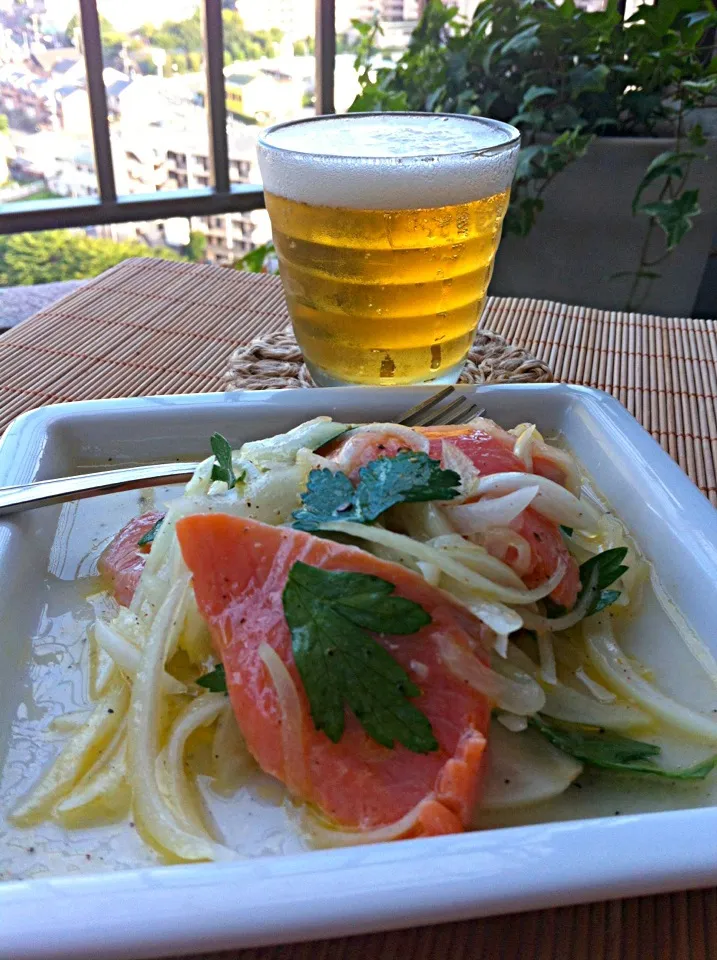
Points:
[(156, 911)]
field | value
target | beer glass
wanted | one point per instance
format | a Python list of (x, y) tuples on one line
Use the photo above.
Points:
[(386, 228)]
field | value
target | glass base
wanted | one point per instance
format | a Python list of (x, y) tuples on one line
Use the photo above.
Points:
[(322, 378)]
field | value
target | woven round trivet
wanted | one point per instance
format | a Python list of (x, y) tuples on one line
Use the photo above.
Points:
[(275, 362)]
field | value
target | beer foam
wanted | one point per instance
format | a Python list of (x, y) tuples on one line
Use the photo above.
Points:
[(388, 162)]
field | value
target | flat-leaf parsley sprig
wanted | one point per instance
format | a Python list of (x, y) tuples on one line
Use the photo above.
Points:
[(329, 615), (409, 477)]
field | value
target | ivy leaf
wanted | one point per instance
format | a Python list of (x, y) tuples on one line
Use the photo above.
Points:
[(526, 160), (565, 116), (531, 118), (668, 164), (703, 87), (696, 136), (609, 751), (674, 216), (525, 41), (340, 663), (698, 16), (584, 79), (534, 93)]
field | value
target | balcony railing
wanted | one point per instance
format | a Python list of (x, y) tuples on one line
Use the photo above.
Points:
[(222, 196)]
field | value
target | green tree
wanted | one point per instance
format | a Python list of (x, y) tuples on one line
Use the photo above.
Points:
[(183, 39), (305, 47), (27, 258), (196, 249), (4, 125), (112, 40)]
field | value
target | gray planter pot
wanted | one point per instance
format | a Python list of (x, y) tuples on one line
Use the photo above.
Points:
[(587, 233)]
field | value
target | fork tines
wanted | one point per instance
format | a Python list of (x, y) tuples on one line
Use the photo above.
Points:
[(433, 412)]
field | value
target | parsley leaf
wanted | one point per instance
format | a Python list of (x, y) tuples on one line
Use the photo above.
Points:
[(149, 536), (215, 680), (409, 477), (596, 574), (340, 664), (609, 568), (223, 468), (612, 752)]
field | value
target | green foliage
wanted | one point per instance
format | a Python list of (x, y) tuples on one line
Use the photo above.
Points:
[(215, 680), (609, 751), (182, 39), (196, 249), (149, 536), (4, 125), (112, 40), (562, 76), (409, 477), (330, 615), (223, 468), (27, 258), (305, 47), (257, 260)]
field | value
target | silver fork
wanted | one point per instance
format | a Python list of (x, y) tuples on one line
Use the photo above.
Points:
[(42, 493)]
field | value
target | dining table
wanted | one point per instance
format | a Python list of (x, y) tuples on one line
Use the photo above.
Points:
[(150, 327)]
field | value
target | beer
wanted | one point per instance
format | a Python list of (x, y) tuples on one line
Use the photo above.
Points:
[(386, 228)]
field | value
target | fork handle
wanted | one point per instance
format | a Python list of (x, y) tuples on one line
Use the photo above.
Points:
[(43, 493)]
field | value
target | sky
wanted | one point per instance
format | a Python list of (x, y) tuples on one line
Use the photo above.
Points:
[(126, 14)]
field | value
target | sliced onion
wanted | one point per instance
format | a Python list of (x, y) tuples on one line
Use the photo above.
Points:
[(291, 720), (159, 822), (565, 703), (697, 647), (511, 721), (477, 558), (469, 518), (517, 694), (497, 616), (326, 836), (102, 794), (552, 501), (598, 691), (498, 540), (69, 722), (501, 645), (561, 459), (422, 551), (535, 622), (231, 760), (523, 769), (283, 447), (612, 663), (430, 572), (128, 657), (422, 521), (77, 754), (523, 444), (171, 775), (548, 670), (453, 458)]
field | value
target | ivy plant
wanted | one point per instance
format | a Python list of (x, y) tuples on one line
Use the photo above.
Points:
[(564, 76)]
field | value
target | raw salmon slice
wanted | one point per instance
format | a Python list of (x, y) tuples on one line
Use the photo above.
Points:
[(239, 569), (123, 560), (490, 448)]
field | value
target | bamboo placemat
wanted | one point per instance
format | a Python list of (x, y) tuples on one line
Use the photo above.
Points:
[(153, 327)]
